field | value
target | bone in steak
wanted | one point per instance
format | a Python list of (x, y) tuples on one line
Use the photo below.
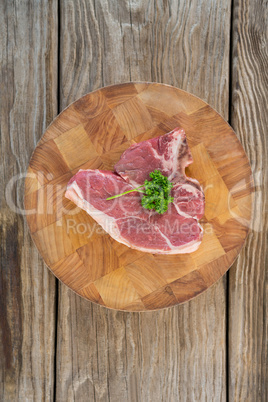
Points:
[(176, 231)]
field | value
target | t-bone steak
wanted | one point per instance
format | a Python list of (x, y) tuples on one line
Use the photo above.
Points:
[(174, 232)]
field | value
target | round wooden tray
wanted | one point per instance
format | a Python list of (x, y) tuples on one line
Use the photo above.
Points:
[(92, 133)]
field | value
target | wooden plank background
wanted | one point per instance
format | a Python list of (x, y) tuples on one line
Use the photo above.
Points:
[(247, 313), (55, 345), (28, 103)]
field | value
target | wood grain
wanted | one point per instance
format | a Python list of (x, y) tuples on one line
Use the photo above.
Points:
[(248, 327), (162, 355), (28, 83), (141, 278)]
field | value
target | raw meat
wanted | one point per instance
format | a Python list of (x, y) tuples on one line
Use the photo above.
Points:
[(169, 153), (177, 230)]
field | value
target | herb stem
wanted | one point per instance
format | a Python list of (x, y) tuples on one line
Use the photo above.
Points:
[(126, 192), (156, 192)]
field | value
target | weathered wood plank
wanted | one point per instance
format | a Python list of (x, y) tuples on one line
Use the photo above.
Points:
[(28, 82), (248, 325), (179, 353)]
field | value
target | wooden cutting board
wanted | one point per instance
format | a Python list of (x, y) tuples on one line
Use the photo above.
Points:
[(92, 133)]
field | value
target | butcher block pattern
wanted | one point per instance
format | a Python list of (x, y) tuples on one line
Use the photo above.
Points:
[(92, 133)]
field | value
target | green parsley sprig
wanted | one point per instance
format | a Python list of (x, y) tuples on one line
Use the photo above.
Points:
[(156, 192)]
